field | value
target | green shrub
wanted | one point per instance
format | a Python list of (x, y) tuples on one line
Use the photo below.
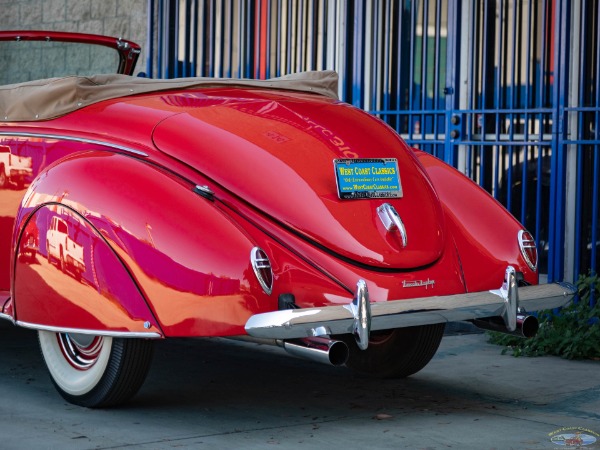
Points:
[(573, 333)]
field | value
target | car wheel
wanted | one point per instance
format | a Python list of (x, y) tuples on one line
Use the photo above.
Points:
[(95, 371), (395, 353)]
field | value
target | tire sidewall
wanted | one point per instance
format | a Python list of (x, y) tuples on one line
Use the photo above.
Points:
[(69, 380)]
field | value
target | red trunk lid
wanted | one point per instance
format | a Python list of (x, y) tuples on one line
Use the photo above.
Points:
[(277, 153)]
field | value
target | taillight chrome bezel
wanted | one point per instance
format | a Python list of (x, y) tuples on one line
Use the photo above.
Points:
[(262, 269), (528, 249)]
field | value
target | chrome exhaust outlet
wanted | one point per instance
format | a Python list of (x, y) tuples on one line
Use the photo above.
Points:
[(317, 349), (527, 326)]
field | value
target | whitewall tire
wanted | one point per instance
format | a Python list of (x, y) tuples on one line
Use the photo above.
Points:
[(95, 371)]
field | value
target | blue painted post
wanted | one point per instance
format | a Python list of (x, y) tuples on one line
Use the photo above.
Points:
[(358, 54), (558, 184)]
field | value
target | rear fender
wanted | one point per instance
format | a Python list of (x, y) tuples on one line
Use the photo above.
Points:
[(485, 233), (53, 290), (190, 261)]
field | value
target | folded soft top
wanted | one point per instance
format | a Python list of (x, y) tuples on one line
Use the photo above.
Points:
[(54, 97)]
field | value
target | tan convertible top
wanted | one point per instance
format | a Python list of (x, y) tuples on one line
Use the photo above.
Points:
[(54, 97)]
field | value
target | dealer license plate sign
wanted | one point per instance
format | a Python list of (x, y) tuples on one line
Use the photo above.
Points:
[(367, 178)]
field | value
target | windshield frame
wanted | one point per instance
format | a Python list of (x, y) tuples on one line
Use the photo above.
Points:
[(128, 51)]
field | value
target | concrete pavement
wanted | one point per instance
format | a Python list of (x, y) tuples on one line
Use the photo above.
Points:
[(222, 394)]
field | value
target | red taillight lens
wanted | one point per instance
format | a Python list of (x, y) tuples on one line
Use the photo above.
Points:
[(528, 249), (262, 269)]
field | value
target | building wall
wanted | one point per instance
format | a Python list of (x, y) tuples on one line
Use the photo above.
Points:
[(127, 19)]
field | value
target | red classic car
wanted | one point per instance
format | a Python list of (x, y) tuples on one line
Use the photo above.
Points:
[(266, 209)]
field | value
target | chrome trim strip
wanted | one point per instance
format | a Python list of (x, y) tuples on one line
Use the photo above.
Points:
[(75, 139), (118, 334), (298, 323), (7, 317)]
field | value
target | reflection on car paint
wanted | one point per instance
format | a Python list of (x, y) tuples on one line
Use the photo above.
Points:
[(15, 170)]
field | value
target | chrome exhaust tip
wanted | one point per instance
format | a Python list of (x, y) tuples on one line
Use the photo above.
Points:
[(526, 326), (318, 349)]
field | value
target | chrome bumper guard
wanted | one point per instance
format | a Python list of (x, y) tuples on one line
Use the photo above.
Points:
[(361, 316)]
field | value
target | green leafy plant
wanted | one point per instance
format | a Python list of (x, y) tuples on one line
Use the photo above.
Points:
[(572, 333)]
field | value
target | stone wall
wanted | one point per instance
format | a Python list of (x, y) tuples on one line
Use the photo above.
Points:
[(119, 18)]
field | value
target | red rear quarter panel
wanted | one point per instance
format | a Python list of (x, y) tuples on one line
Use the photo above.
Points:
[(190, 261), (484, 232)]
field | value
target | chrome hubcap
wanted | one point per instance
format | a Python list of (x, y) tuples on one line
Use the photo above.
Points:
[(80, 350)]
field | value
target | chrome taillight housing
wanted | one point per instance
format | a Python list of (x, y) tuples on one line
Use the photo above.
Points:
[(528, 249), (262, 269)]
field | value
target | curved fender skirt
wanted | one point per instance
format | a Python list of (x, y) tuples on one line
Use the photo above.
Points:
[(333, 320), (75, 282)]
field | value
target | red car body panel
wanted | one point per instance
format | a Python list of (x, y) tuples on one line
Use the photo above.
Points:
[(320, 245)]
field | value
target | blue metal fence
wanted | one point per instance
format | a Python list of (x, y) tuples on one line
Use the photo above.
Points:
[(507, 91)]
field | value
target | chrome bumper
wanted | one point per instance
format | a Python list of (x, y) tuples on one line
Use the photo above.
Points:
[(361, 317)]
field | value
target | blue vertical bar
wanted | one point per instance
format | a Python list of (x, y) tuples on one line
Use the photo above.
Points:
[(399, 69), (257, 24), (210, 25), (526, 118), (279, 50), (411, 80), (357, 74), (160, 38), (373, 65), (268, 49), (228, 34), (557, 188), (175, 56), (435, 103), (484, 64), (538, 101), (387, 88), (195, 38), (249, 38), (452, 67), (471, 124), (150, 39), (423, 69), (596, 177), (511, 121), (289, 53), (188, 29), (595, 208), (583, 63)]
